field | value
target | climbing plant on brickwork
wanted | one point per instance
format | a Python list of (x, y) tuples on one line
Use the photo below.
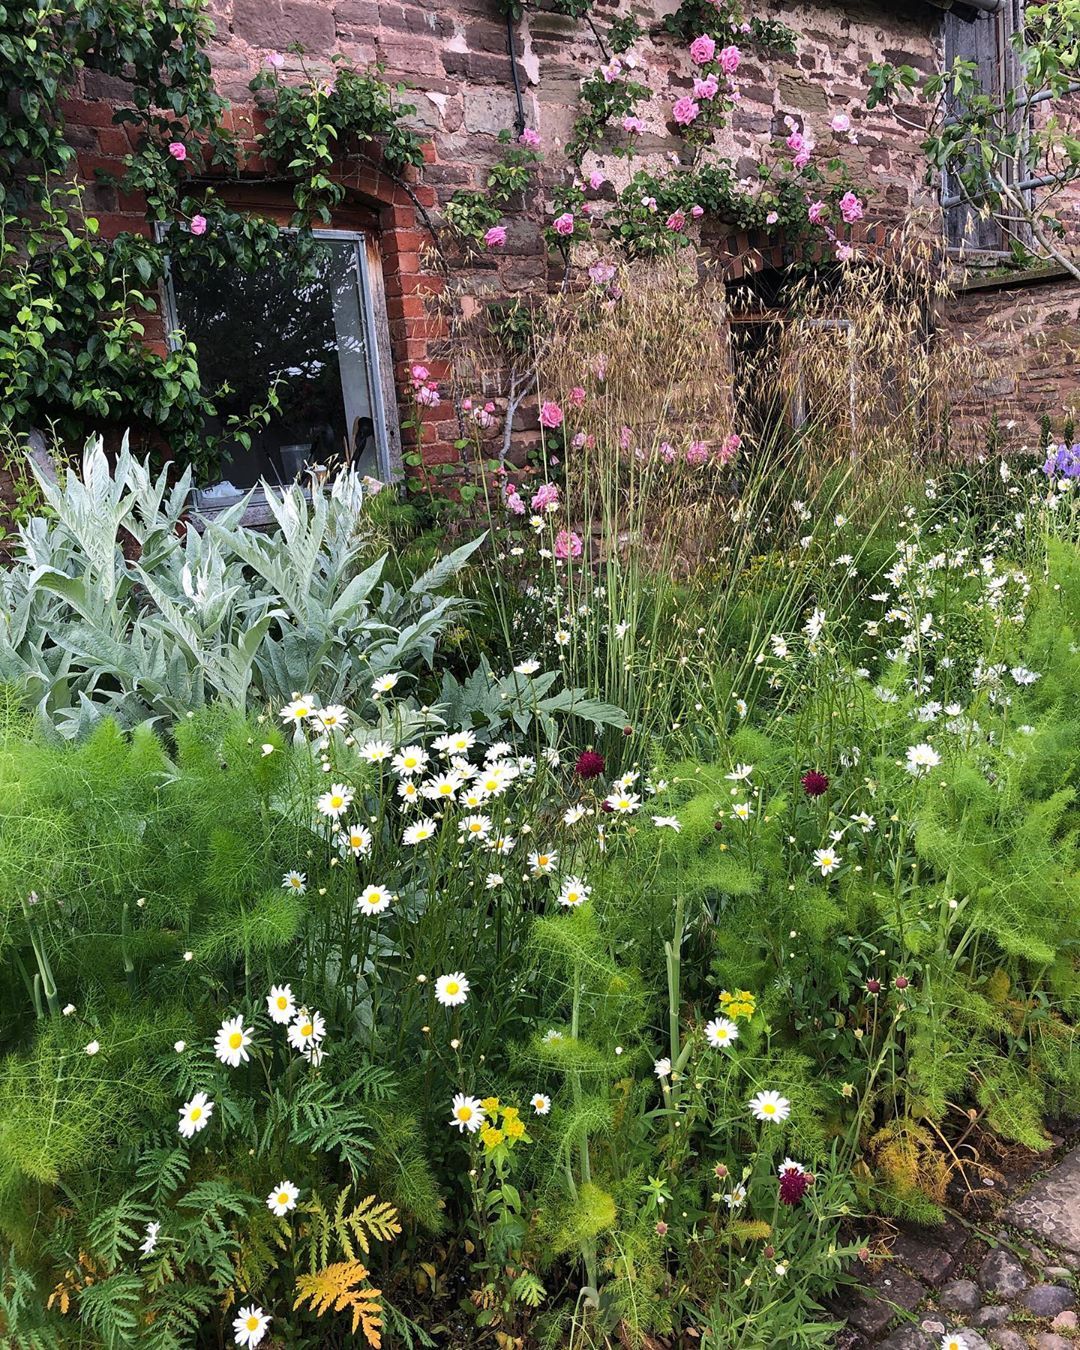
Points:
[(74, 306)]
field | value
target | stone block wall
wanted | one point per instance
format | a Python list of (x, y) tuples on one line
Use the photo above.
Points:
[(453, 55)]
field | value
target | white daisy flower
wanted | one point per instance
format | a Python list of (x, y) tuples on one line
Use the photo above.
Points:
[(355, 839), (475, 827), (250, 1325), (280, 1003), (384, 684), (667, 823), (502, 844), (562, 637), (459, 742), (721, 1033), (282, 1198), (493, 880), (865, 821), (1022, 675), (662, 1067), (921, 759), (373, 900), (451, 990), (573, 814), (742, 811), (574, 892), (149, 1242), (443, 788), (540, 1103), (299, 710), (332, 718), (93, 1047), (306, 1030), (195, 1114), (467, 1114), (953, 1342), (409, 791), (542, 863), (419, 832), (294, 881), (740, 773), (623, 803), (769, 1106), (336, 802), (376, 752), (409, 761), (736, 1198), (529, 667), (828, 859), (232, 1041)]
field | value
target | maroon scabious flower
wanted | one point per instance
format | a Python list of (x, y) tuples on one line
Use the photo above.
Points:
[(793, 1185), (815, 783), (873, 986), (902, 982), (589, 764)]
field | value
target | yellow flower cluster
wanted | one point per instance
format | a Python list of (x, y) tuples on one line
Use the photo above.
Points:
[(739, 1006), (512, 1128)]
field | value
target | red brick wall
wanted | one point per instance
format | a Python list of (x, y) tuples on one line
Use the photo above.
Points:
[(454, 57)]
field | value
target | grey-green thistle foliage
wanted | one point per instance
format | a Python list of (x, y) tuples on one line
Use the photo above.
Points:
[(117, 604)]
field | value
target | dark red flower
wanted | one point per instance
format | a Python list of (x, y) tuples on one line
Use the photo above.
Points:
[(628, 731), (873, 986), (793, 1185), (661, 1228), (815, 783), (902, 981), (589, 764)]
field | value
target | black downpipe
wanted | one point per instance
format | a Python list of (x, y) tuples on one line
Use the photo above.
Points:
[(519, 121)]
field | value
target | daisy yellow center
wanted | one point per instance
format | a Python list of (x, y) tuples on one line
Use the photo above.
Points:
[(306, 1029), (476, 828), (196, 1113), (410, 790), (283, 1197), (235, 1041), (452, 987), (410, 762), (302, 711), (282, 1002), (464, 1113), (543, 860), (252, 1324), (337, 800), (445, 789), (769, 1109), (294, 881)]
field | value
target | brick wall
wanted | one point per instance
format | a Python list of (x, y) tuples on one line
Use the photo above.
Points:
[(454, 56)]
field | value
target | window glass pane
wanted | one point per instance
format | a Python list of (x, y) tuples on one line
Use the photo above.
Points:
[(304, 326)]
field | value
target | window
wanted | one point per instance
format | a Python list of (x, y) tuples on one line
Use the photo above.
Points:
[(316, 333), (986, 41)]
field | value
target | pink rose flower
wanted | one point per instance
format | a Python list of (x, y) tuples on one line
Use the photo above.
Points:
[(706, 88), (697, 212), (596, 180), (697, 453), (530, 138), (577, 396), (685, 110), (198, 225), (428, 395), (851, 208), (795, 141), (802, 159), (841, 123), (563, 224), (676, 222), (275, 61), (729, 60), (633, 126), (567, 544), (578, 441), (551, 415), (495, 237), (612, 70), (730, 448), (772, 218), (545, 498), (178, 150), (702, 50), (419, 374), (817, 212), (600, 273), (844, 253), (667, 452), (515, 504)]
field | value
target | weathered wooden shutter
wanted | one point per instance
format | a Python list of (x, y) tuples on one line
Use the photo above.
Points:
[(978, 41)]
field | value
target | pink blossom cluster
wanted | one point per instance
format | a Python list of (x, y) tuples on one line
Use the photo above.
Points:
[(481, 413), (495, 237), (545, 498), (564, 224), (513, 499), (568, 545), (425, 389)]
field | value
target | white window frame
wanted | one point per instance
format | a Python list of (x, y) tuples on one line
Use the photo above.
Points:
[(372, 302)]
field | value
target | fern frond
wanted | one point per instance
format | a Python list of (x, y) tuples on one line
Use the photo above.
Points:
[(339, 1287)]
